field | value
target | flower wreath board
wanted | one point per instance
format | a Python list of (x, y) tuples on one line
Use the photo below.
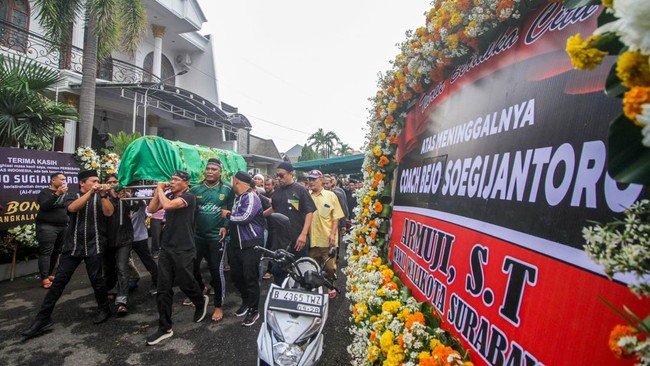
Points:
[(500, 166)]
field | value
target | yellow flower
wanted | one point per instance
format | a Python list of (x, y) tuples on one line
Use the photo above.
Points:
[(584, 56), (452, 41), (395, 356), (608, 3), (381, 292), (455, 19), (377, 150), (633, 69), (93, 164), (632, 101), (360, 311), (373, 353), (386, 341), (391, 306), (392, 106), (435, 343)]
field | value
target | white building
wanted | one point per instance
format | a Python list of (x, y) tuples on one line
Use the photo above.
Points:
[(174, 67)]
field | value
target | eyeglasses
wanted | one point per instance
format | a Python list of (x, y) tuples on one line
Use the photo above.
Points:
[(279, 175), (175, 179), (311, 179)]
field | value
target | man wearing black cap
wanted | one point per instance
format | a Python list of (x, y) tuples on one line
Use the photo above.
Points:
[(177, 252), (85, 241), (212, 195), (293, 201), (246, 232)]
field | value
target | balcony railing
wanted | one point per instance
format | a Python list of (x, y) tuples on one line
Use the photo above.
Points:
[(16, 40)]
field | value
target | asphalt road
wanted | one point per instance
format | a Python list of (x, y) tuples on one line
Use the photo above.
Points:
[(74, 340)]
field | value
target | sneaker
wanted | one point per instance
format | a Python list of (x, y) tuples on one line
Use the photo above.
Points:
[(159, 336), (243, 310), (187, 302), (201, 309), (153, 292), (251, 318)]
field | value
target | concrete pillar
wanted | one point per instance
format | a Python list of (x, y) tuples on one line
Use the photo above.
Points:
[(153, 121), (70, 136), (158, 33)]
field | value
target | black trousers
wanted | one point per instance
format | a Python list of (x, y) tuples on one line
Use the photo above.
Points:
[(67, 266), (50, 241), (212, 251), (156, 231), (244, 271), (141, 248), (175, 268)]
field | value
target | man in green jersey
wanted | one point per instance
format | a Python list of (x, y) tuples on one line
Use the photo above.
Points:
[(212, 195)]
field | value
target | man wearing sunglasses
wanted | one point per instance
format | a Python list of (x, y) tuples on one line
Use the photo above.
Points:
[(292, 200)]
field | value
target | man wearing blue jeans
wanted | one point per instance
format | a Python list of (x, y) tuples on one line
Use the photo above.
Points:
[(177, 253)]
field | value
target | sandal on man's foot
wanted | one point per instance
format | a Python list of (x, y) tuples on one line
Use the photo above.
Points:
[(46, 283), (122, 310), (217, 315)]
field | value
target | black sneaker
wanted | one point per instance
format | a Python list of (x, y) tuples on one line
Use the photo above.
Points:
[(243, 310), (37, 327), (201, 309), (159, 336), (251, 318)]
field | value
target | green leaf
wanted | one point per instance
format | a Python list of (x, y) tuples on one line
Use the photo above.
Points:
[(610, 43), (613, 86), (572, 4), (628, 161)]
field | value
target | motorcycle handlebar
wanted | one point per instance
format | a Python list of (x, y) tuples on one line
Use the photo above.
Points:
[(278, 255)]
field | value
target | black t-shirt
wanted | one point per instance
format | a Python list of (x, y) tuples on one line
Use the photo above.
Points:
[(293, 201), (178, 233)]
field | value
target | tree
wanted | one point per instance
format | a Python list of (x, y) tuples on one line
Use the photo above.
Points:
[(121, 141), (27, 116), (109, 24), (322, 142), (307, 153), (343, 149)]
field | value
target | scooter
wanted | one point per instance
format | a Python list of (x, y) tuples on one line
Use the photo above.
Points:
[(294, 313)]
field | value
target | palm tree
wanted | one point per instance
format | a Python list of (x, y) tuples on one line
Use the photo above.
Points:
[(322, 142), (344, 149), (331, 140), (27, 116), (317, 141), (109, 24)]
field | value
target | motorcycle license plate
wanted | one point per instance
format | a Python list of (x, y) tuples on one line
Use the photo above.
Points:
[(297, 301)]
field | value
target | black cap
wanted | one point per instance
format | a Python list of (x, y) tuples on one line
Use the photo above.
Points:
[(286, 166), (244, 177), (87, 174), (182, 174), (214, 161)]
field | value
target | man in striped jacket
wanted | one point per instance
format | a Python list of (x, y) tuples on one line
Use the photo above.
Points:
[(246, 232)]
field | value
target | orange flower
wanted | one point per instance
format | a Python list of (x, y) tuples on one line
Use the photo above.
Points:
[(632, 101), (391, 285), (617, 333), (373, 234), (389, 120), (418, 317), (393, 139), (362, 240), (400, 340), (383, 161), (378, 207)]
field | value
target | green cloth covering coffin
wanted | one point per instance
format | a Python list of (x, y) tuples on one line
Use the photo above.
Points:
[(154, 158)]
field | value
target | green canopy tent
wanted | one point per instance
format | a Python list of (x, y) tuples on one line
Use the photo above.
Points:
[(154, 158), (350, 164)]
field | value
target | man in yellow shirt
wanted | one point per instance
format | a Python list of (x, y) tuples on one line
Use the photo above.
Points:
[(323, 232)]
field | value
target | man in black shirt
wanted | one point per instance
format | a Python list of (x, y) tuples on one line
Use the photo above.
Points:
[(85, 241), (177, 252), (51, 224), (293, 201)]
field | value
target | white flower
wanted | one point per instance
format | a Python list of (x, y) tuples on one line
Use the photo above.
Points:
[(632, 25)]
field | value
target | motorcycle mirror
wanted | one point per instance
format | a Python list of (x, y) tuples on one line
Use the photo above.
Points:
[(314, 279)]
